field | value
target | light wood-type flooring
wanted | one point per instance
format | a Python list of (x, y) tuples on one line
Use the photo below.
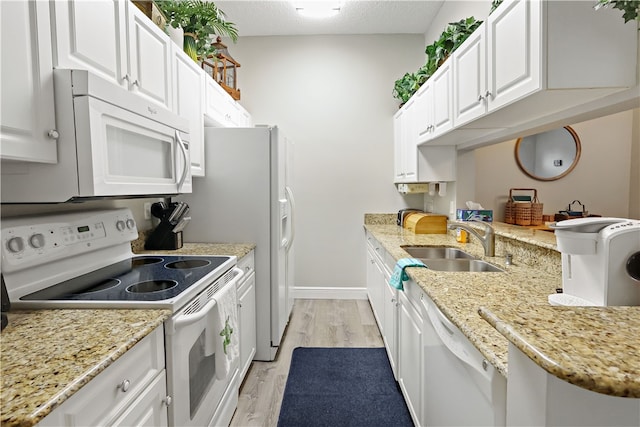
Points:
[(313, 323)]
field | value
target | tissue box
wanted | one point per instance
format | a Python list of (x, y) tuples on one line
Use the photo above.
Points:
[(480, 215)]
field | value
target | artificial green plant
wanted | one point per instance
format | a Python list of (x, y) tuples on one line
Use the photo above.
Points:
[(201, 22)]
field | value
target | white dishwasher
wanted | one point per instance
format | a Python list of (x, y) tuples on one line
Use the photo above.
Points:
[(461, 387)]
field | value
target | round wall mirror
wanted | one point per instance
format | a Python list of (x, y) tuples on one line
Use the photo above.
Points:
[(550, 155)]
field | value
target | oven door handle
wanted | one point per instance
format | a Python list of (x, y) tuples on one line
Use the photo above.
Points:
[(187, 319)]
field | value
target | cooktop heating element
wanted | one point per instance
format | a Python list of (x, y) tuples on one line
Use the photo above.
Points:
[(143, 278)]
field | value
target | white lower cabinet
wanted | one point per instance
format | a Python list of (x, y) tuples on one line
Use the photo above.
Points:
[(131, 391), (410, 326), (390, 323), (247, 314)]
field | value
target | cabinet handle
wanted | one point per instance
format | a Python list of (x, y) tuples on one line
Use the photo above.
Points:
[(126, 77), (480, 98), (485, 364), (488, 94), (167, 401), (135, 83), (124, 385), (53, 134)]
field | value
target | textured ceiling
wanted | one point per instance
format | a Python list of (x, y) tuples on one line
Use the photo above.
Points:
[(271, 17)]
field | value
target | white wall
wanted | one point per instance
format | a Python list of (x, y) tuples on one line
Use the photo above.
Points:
[(332, 96), (602, 180)]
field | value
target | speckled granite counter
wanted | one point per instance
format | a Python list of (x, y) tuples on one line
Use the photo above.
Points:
[(594, 348), (48, 355), (238, 250)]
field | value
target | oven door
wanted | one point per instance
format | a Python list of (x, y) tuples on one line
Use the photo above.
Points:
[(121, 153), (194, 378)]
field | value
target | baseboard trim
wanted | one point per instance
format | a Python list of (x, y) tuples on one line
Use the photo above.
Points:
[(329, 293)]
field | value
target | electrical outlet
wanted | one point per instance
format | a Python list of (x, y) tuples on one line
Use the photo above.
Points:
[(147, 210)]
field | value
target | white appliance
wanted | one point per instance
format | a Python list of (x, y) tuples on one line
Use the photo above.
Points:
[(600, 261), (463, 388), (246, 197), (111, 143), (84, 260)]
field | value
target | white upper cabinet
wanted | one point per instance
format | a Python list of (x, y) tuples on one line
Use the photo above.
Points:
[(149, 58), (469, 77), (115, 40), (442, 99), (27, 124), (535, 65), (514, 56), (188, 86), (91, 35), (405, 140), (222, 110)]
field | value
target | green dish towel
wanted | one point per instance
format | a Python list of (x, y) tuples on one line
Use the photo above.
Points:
[(399, 275)]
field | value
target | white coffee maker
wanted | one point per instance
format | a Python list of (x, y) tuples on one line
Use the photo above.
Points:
[(600, 261)]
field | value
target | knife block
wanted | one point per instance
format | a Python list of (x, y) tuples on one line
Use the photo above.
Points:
[(164, 238)]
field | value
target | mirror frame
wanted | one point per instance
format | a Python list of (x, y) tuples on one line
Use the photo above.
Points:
[(576, 140)]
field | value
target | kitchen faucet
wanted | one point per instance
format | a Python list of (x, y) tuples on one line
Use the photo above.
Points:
[(488, 239)]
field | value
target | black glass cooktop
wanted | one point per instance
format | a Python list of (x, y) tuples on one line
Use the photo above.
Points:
[(141, 278)]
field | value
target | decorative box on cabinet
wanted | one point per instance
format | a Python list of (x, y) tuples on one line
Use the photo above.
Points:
[(130, 391), (115, 40), (27, 125)]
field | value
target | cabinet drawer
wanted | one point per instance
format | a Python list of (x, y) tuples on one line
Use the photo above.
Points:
[(106, 396)]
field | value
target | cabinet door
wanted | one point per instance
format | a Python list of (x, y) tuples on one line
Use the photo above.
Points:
[(423, 115), (150, 408), (91, 35), (149, 58), (514, 34), (470, 78), (409, 143), (247, 320), (398, 166), (188, 83), (410, 324), (390, 303), (27, 130), (375, 286), (217, 104), (443, 99)]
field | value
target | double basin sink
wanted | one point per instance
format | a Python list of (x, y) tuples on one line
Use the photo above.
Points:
[(449, 259)]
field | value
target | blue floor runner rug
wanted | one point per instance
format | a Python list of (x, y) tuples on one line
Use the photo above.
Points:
[(342, 387)]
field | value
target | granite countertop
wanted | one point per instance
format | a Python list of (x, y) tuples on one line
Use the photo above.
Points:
[(237, 249), (589, 347), (48, 355)]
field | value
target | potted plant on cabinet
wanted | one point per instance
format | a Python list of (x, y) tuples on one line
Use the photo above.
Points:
[(201, 22), (453, 36)]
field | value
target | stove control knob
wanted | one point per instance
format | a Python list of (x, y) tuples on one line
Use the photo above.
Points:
[(15, 245), (37, 241), (131, 224), (120, 225)]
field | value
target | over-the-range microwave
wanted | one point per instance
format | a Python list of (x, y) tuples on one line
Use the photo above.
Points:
[(111, 143)]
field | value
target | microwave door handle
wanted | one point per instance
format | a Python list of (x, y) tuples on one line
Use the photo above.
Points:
[(185, 157)]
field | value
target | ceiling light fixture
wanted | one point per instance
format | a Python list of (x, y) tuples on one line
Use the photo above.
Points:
[(318, 8)]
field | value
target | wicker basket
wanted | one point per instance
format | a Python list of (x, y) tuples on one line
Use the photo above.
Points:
[(523, 213)]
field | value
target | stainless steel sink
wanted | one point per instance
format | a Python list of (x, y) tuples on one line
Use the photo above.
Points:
[(461, 265), (436, 252)]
